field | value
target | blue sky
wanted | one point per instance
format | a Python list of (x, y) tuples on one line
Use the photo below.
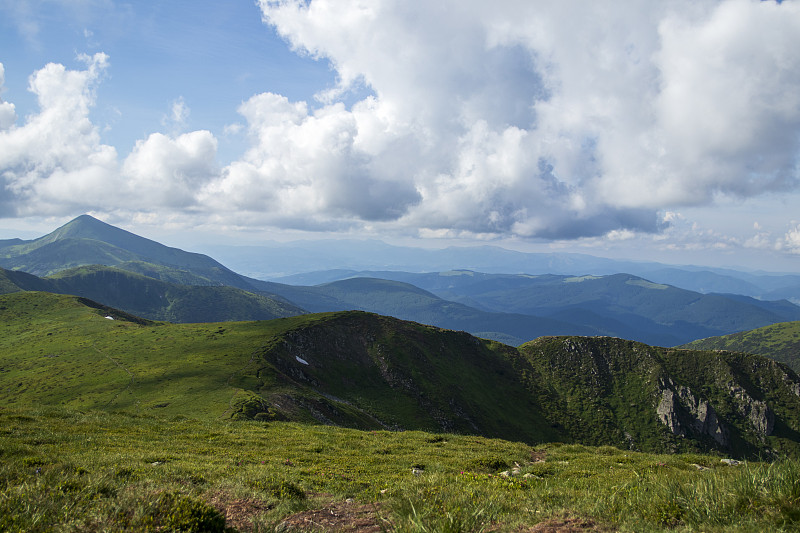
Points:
[(658, 131)]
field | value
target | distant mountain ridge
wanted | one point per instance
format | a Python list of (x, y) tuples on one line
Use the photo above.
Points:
[(510, 308), (780, 342), (309, 262), (619, 305)]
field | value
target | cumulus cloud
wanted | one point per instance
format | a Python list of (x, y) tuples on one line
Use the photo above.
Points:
[(168, 172), (55, 161), (308, 169), (542, 119), (56, 164)]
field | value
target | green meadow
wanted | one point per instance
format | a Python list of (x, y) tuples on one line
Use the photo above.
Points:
[(66, 470)]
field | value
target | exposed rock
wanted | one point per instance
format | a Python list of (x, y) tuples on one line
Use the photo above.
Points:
[(684, 413), (792, 384), (667, 412), (705, 420), (758, 413)]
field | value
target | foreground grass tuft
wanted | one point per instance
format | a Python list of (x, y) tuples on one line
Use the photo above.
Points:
[(69, 471)]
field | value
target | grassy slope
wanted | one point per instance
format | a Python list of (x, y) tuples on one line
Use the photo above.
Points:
[(56, 351), (153, 467), (63, 470), (778, 341), (366, 371)]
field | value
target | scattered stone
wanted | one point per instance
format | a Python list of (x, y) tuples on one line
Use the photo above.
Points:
[(729, 462), (699, 467), (417, 471)]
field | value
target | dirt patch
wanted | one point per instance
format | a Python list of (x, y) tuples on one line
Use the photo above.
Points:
[(345, 517), (537, 456), (238, 512)]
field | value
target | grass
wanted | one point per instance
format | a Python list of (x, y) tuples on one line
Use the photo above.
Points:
[(777, 341), (64, 470)]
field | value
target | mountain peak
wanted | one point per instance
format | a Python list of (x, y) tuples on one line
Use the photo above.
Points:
[(88, 227)]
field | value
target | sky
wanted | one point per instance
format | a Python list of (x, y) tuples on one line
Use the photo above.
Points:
[(666, 131)]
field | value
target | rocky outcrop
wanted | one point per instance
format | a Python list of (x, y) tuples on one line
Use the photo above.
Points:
[(757, 412), (687, 415)]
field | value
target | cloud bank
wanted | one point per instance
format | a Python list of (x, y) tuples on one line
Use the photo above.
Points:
[(547, 120)]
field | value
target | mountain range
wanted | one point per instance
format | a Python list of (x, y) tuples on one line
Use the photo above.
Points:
[(95, 260), (315, 262)]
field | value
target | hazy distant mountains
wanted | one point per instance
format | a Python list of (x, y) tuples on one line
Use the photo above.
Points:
[(89, 258), (314, 262)]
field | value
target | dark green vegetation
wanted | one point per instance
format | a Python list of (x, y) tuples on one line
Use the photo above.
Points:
[(778, 341), (367, 371), (151, 298), (63, 470)]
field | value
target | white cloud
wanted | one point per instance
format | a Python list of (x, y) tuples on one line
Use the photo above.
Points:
[(8, 113), (556, 120), (308, 169), (179, 114), (55, 161), (791, 241), (169, 172), (56, 164)]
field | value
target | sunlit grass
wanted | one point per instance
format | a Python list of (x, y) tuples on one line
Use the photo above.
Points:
[(63, 470)]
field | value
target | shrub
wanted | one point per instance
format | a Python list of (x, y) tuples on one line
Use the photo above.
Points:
[(177, 512)]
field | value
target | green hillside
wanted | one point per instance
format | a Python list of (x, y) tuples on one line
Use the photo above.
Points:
[(780, 342), (367, 371), (363, 370), (110, 422), (151, 298), (612, 391)]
